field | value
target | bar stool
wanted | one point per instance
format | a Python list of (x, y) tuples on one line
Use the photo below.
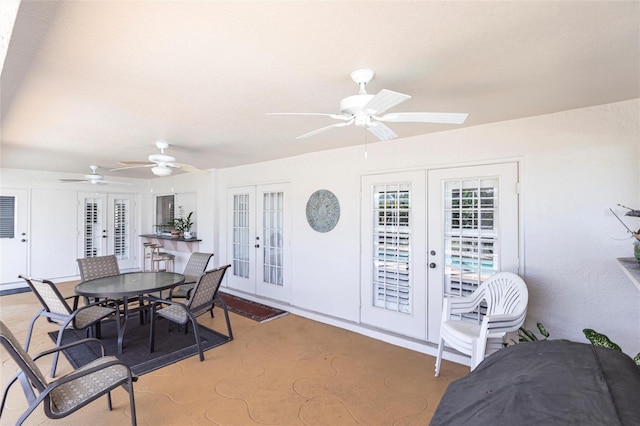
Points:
[(146, 254), (158, 256)]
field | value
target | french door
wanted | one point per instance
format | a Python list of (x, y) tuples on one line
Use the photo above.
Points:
[(393, 263), (430, 233), (107, 227), (260, 224), (473, 231), (13, 234)]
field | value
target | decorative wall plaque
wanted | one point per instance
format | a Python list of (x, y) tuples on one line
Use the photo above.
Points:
[(323, 210)]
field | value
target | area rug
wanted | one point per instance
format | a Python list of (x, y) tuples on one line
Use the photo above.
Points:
[(170, 346), (247, 308)]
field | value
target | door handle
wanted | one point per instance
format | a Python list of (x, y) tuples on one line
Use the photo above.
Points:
[(432, 265), (23, 240), (257, 246)]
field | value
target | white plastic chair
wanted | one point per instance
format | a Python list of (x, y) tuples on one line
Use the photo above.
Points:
[(506, 298)]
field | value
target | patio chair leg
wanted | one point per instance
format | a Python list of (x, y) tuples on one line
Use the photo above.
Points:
[(197, 334), (439, 357), (109, 405), (33, 321), (132, 402), (226, 316), (152, 334), (6, 392), (54, 365)]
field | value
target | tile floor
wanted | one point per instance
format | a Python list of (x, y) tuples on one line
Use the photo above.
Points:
[(289, 371)]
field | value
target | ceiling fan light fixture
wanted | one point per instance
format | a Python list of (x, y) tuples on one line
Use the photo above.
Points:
[(161, 170)]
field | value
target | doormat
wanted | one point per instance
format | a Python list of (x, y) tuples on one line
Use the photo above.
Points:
[(170, 346), (253, 310)]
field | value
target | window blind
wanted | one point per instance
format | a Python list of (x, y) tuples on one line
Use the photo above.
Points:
[(471, 236), (92, 227), (121, 228), (7, 216), (392, 255)]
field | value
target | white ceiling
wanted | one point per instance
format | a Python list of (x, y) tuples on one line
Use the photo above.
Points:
[(97, 82)]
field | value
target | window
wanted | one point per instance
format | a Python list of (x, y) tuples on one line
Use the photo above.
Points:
[(7, 216), (391, 239), (165, 211), (241, 230), (121, 228), (470, 235), (272, 237), (93, 227)]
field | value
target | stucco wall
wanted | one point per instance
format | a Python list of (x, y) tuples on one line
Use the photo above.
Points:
[(575, 165)]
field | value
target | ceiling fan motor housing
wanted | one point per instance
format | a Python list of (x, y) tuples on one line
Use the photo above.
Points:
[(161, 170), (161, 158)]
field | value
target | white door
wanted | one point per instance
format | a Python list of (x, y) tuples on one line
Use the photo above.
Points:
[(107, 227), (473, 231), (242, 224), (393, 287), (260, 223), (13, 235), (413, 255)]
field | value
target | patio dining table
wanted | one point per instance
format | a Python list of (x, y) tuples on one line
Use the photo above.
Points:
[(123, 286)]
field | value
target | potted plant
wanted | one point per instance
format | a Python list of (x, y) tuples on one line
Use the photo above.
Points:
[(635, 234), (182, 224)]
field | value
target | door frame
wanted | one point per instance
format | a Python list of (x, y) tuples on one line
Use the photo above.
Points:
[(433, 295), (22, 232), (253, 284), (409, 324), (107, 217)]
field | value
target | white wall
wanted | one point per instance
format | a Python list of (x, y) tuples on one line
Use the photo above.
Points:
[(197, 192), (52, 238), (575, 165)]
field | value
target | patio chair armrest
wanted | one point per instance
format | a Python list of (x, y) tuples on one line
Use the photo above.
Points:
[(114, 303), (70, 345), (158, 301), (75, 298), (77, 374), (504, 322), (462, 304)]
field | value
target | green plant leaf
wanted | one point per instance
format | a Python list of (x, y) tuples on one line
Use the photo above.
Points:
[(543, 330), (598, 339), (530, 336)]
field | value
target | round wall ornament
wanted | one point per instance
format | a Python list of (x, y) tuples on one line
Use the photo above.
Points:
[(323, 210)]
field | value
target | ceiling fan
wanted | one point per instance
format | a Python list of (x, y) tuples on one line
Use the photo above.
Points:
[(161, 164), (364, 110), (94, 178)]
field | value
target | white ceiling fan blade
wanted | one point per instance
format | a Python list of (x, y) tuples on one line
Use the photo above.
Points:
[(381, 131), (111, 182), (136, 163), (336, 116), (189, 168), (324, 129), (145, 164), (424, 117), (72, 180), (384, 100)]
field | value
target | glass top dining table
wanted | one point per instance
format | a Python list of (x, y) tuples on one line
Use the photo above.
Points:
[(126, 285)]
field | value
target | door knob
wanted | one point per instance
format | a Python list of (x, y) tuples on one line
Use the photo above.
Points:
[(23, 240), (432, 265), (257, 246)]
